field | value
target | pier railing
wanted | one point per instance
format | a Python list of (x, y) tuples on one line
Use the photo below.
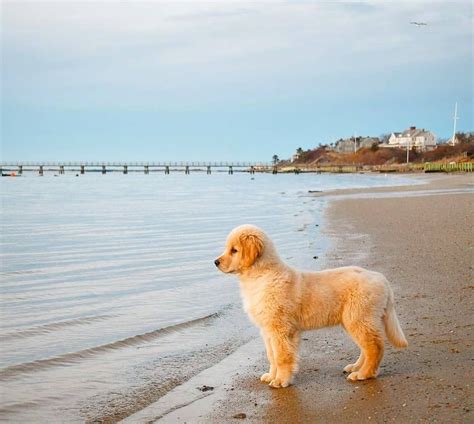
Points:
[(216, 164)]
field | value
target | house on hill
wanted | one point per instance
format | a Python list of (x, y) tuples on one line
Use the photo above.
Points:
[(413, 138), (351, 145)]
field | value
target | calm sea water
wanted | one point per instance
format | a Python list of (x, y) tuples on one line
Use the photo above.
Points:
[(109, 294)]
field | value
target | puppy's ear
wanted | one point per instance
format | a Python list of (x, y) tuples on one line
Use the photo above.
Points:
[(252, 248)]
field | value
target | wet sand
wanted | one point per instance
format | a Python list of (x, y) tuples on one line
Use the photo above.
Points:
[(422, 242)]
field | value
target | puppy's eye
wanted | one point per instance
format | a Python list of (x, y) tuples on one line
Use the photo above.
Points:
[(233, 250)]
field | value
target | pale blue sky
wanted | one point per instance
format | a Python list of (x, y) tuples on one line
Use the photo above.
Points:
[(226, 80)]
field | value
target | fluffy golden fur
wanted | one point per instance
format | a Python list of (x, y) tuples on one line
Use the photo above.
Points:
[(283, 302)]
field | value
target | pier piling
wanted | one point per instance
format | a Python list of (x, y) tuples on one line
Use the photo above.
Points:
[(167, 170), (104, 170), (125, 169), (231, 170), (208, 170), (147, 170), (83, 169), (40, 170)]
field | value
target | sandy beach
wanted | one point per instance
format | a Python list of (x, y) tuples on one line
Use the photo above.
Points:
[(420, 237)]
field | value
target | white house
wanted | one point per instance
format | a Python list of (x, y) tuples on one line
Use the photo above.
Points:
[(414, 138)]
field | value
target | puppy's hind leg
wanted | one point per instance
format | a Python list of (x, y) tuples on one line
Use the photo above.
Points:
[(370, 340), (271, 374)]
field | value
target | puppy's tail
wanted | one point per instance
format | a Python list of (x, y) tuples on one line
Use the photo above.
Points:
[(392, 325)]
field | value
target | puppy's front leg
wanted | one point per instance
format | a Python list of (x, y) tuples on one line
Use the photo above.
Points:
[(285, 347), (271, 374)]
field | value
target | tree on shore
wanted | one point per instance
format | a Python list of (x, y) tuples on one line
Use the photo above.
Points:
[(275, 159), (384, 138), (467, 137)]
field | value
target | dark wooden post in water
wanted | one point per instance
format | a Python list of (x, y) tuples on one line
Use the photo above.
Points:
[(252, 170), (83, 169), (167, 170), (61, 169), (208, 170), (20, 170), (40, 171), (104, 171), (147, 170), (231, 171), (275, 170), (125, 169), (186, 170)]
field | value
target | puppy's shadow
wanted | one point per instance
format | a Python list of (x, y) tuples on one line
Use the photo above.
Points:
[(310, 401), (284, 405)]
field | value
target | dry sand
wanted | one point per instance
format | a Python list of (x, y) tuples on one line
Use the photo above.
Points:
[(423, 243)]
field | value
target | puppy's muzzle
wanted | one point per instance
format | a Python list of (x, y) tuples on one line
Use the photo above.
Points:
[(217, 262)]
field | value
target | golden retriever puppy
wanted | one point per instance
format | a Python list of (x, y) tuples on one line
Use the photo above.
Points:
[(283, 302)]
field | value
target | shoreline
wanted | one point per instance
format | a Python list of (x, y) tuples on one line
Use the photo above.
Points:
[(236, 388), (427, 183)]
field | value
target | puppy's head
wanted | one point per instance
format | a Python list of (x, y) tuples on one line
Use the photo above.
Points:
[(244, 246)]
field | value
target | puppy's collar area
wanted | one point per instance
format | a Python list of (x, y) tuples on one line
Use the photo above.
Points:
[(263, 266)]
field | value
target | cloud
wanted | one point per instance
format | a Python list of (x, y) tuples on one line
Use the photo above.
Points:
[(212, 14), (175, 52)]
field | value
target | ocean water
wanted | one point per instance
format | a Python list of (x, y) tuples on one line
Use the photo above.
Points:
[(109, 294)]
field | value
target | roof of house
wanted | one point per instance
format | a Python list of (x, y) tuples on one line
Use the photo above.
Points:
[(370, 139), (412, 132)]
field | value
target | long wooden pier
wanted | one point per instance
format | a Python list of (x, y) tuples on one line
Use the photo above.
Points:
[(18, 168), (142, 167)]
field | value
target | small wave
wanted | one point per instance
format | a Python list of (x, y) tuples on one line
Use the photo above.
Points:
[(14, 407), (72, 357), (19, 272), (48, 328)]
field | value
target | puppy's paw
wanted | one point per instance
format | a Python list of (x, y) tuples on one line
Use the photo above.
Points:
[(350, 368), (267, 377), (277, 383), (357, 376)]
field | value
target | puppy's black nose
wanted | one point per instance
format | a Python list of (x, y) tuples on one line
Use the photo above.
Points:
[(217, 262)]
